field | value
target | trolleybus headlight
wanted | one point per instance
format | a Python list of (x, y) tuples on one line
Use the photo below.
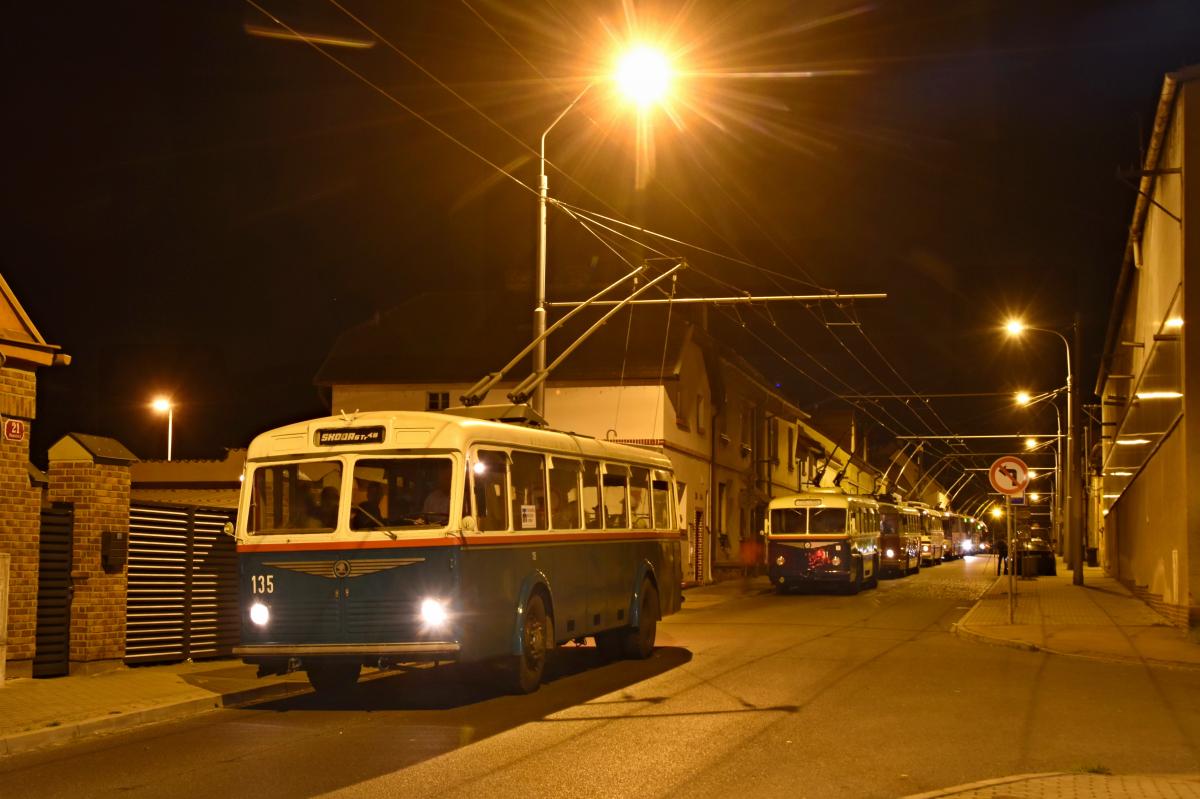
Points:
[(260, 614), (924, 547), (967, 546), (836, 561), (891, 553), (433, 613), (779, 561)]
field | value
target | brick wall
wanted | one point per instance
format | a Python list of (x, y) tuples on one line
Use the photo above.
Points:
[(19, 519), (100, 493)]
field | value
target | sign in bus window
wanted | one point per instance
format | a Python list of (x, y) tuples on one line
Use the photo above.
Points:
[(564, 493), (489, 476), (529, 490), (295, 497), (616, 496)]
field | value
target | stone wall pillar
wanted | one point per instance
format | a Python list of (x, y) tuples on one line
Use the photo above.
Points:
[(98, 487), (20, 506)]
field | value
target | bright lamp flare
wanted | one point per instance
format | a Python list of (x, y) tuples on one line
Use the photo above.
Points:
[(997, 513), (1014, 327), (1023, 397), (433, 613), (643, 75), (1030, 443), (161, 404)]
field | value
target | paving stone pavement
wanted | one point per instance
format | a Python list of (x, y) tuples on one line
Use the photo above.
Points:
[(1099, 619)]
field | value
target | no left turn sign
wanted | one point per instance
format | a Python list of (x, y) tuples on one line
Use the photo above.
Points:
[(1009, 475)]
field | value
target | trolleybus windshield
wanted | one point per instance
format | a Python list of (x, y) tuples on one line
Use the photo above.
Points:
[(808, 520)]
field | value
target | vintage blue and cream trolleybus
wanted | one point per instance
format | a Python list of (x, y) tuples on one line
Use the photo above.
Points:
[(823, 537), (379, 539)]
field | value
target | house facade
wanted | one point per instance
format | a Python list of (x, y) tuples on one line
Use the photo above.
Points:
[(735, 440)]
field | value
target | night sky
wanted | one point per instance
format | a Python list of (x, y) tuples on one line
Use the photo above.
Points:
[(196, 211)]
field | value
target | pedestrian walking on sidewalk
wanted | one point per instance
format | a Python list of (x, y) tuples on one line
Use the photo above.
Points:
[(1001, 556)]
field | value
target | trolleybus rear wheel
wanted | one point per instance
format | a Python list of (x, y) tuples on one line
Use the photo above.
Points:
[(523, 672), (638, 641), (333, 678)]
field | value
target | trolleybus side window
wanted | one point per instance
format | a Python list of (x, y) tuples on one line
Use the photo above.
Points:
[(564, 493), (593, 506), (528, 491), (295, 497), (489, 476), (639, 497), (616, 496), (660, 496)]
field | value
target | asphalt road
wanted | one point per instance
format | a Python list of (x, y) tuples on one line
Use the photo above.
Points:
[(757, 695)]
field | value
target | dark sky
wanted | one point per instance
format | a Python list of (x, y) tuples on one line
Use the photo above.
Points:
[(196, 211)]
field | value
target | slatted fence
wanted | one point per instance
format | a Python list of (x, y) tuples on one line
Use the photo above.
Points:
[(182, 597)]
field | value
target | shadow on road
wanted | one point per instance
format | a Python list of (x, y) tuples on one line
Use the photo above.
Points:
[(574, 675)]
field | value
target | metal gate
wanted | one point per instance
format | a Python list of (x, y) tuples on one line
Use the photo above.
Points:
[(182, 598), (52, 657)]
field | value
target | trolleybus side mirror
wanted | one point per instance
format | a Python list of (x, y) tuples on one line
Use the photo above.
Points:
[(468, 524), (227, 529)]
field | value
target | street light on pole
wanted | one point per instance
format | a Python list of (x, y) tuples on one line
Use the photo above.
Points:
[(643, 75), (164, 405), (1016, 327), (1025, 399)]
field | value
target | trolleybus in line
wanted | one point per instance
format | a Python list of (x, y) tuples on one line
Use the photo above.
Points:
[(823, 537), (933, 539), (899, 538), (385, 538)]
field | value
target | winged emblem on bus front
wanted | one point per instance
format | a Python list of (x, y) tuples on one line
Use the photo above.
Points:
[(343, 568)]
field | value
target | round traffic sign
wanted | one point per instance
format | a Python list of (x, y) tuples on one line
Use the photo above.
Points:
[(1009, 475)]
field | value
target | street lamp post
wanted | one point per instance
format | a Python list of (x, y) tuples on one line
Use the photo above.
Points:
[(1071, 468), (164, 405), (643, 75), (1024, 398)]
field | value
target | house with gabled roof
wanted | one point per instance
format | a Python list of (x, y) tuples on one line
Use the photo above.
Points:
[(653, 377), (23, 350)]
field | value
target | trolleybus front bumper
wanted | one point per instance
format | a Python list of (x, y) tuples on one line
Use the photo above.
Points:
[(415, 650)]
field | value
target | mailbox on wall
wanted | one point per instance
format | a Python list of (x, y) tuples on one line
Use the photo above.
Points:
[(114, 550)]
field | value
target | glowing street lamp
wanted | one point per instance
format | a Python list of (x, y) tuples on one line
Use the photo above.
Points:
[(1030, 443), (997, 512), (1071, 492), (1023, 398), (164, 405), (643, 75)]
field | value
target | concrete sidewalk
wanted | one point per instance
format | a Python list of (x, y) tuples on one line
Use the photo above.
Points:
[(42, 712), (1100, 619)]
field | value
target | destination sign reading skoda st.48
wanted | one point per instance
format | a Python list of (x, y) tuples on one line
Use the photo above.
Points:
[(349, 435)]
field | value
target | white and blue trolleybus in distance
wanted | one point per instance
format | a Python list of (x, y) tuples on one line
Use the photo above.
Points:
[(382, 539), (823, 538)]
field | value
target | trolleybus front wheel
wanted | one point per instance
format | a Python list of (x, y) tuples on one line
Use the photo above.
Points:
[(523, 672), (333, 678)]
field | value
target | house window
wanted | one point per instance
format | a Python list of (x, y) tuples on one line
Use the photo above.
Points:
[(790, 455), (437, 400), (701, 422)]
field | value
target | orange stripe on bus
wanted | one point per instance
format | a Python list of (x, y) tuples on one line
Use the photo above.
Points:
[(471, 540)]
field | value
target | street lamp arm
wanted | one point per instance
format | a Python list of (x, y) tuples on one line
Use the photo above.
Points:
[(557, 119)]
